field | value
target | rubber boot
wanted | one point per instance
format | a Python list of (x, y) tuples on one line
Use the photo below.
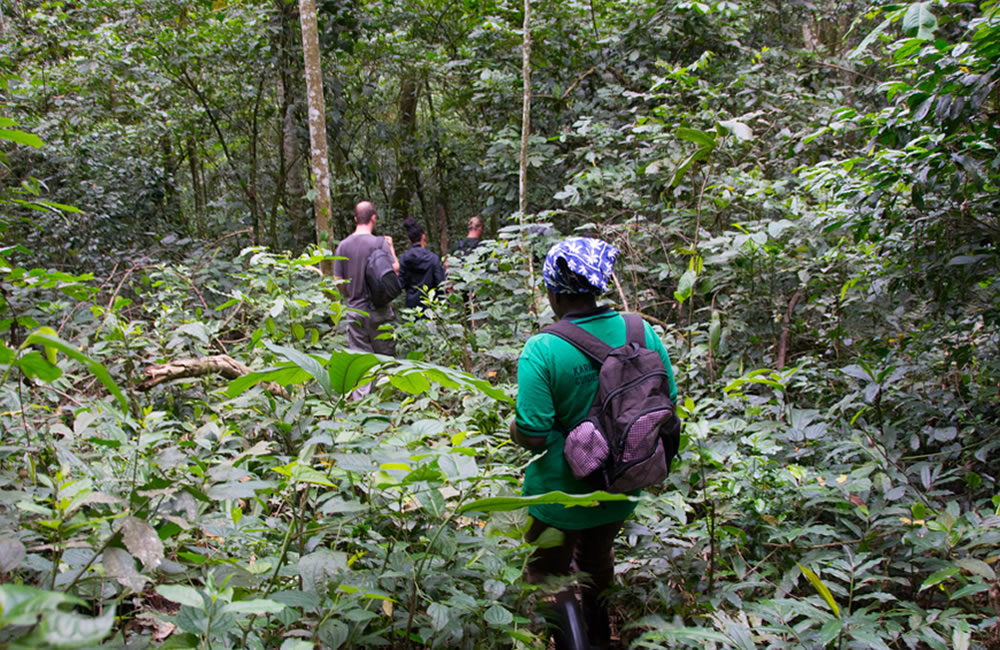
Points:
[(570, 632), (598, 623)]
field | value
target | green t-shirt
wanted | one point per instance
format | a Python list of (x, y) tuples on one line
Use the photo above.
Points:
[(556, 384)]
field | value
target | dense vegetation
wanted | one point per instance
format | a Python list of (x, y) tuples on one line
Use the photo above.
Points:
[(806, 196)]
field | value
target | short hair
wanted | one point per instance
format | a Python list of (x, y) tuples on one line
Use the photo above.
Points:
[(363, 213), (413, 229)]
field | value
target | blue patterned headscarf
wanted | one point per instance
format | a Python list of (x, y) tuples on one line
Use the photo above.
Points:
[(579, 265)]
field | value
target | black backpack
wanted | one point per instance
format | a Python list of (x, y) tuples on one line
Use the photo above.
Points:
[(631, 432), (380, 278)]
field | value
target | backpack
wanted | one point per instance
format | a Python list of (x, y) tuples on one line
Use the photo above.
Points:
[(381, 280), (631, 432)]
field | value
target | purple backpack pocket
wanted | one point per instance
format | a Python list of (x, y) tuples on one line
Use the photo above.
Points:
[(586, 449)]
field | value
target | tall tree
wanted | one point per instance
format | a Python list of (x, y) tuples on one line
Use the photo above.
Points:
[(317, 126), (525, 109)]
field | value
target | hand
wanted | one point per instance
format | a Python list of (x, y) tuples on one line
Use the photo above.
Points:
[(388, 240)]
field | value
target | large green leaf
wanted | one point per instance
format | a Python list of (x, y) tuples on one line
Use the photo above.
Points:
[(495, 504), (182, 594), (919, 21), (20, 137), (697, 136), (47, 338), (304, 361), (67, 630), (283, 375), (821, 588), (346, 368), (21, 604), (257, 606)]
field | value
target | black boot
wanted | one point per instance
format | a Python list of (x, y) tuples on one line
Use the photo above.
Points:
[(570, 631), (598, 623)]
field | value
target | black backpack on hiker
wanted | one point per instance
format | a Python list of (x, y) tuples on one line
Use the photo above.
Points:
[(380, 278), (631, 432)]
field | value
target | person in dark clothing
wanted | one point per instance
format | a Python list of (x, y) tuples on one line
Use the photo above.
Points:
[(419, 269), (472, 239)]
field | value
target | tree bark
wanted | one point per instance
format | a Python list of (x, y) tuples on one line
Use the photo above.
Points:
[(219, 364), (317, 128)]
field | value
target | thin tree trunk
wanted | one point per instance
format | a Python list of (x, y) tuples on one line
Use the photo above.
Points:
[(525, 110), (525, 131), (317, 128), (199, 198)]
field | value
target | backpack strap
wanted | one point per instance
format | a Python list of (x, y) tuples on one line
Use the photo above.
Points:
[(581, 339), (635, 329)]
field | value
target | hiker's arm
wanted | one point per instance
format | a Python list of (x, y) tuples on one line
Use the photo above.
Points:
[(392, 251), (532, 443)]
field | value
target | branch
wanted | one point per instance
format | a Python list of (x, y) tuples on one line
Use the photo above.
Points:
[(220, 364), (785, 324)]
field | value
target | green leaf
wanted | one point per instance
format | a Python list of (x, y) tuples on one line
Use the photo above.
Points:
[(59, 207), (495, 504), (978, 567), (823, 590), (285, 376), (303, 361), (257, 606), (699, 154), (919, 21), (939, 576), (969, 590), (685, 285), (20, 137), (498, 615), (697, 136), (35, 366), (346, 368), (96, 368), (64, 629), (21, 604), (413, 383), (182, 594)]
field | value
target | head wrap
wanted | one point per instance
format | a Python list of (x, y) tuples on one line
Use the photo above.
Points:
[(579, 265)]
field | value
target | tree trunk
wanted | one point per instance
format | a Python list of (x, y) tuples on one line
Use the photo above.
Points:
[(407, 181), (525, 110), (317, 128), (199, 197)]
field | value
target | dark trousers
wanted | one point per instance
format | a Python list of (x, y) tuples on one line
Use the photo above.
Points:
[(590, 551)]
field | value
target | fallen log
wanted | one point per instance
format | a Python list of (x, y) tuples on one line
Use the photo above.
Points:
[(218, 364)]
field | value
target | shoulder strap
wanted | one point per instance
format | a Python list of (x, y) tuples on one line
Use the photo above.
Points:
[(635, 329), (581, 339)]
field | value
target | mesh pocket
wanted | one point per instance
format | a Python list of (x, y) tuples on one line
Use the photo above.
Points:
[(586, 449), (643, 436)]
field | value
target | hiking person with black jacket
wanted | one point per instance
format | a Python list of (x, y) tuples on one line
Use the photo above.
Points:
[(419, 269), (473, 238), (556, 386)]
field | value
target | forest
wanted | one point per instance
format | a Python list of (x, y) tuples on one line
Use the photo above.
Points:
[(806, 199)]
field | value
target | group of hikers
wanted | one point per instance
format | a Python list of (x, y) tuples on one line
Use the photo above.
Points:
[(561, 370)]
